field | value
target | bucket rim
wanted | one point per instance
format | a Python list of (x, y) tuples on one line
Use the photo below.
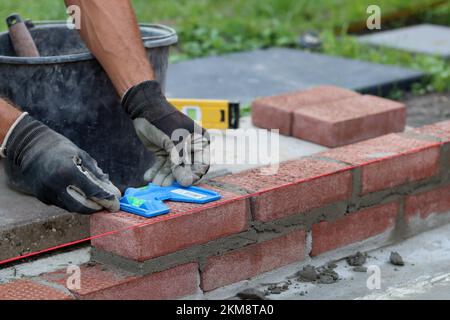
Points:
[(163, 40)]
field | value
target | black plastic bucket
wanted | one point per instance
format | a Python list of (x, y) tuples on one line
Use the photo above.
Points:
[(67, 89)]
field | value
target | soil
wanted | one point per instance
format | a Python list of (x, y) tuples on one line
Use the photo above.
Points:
[(427, 109), (396, 259), (356, 260)]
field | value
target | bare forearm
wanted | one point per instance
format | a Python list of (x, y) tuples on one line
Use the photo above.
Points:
[(110, 30), (8, 115)]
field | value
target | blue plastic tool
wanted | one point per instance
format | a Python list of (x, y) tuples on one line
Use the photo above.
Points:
[(148, 201)]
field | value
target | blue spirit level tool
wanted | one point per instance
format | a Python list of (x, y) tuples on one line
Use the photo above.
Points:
[(148, 201)]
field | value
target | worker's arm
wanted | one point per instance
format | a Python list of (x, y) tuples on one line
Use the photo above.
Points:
[(53, 168), (110, 30), (8, 115)]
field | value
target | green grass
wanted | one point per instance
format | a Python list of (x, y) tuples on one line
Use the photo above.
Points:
[(208, 27)]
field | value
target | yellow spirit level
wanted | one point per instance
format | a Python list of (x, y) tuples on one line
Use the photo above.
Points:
[(210, 114)]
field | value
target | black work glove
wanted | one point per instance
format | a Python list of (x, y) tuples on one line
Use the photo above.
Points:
[(56, 171), (181, 147)]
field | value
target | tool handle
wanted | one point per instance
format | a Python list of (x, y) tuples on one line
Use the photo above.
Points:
[(20, 36)]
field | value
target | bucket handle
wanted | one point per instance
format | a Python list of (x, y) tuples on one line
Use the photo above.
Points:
[(13, 19)]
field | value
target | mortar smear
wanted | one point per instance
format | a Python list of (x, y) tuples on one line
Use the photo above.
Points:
[(396, 259), (323, 274), (251, 294), (356, 260)]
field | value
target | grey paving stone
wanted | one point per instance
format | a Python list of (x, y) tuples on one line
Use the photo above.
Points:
[(245, 76), (423, 38)]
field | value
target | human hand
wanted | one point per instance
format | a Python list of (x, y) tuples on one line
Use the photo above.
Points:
[(181, 147), (56, 171)]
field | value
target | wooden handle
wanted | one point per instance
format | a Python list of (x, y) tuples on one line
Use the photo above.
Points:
[(21, 39)]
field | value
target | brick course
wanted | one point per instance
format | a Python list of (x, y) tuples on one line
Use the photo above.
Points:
[(252, 260), (353, 227)]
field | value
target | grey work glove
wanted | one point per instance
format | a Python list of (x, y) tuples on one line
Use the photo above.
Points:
[(56, 171), (181, 147)]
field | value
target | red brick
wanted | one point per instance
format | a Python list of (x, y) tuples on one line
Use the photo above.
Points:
[(390, 160), (29, 290), (427, 203), (298, 186), (275, 112), (175, 231), (350, 120), (252, 260), (101, 283), (439, 130), (354, 227)]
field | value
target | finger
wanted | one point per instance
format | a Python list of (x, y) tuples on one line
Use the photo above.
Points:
[(194, 168), (163, 173), (184, 175), (168, 181), (201, 158), (88, 166), (74, 200), (98, 190), (200, 170), (151, 173), (152, 138)]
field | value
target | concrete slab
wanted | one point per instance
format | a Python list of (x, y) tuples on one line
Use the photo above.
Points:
[(245, 76), (27, 224), (423, 38)]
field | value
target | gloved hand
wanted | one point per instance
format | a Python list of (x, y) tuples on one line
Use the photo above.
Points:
[(181, 147), (56, 171)]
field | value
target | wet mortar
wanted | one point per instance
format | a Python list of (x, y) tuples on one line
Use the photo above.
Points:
[(396, 259), (356, 260)]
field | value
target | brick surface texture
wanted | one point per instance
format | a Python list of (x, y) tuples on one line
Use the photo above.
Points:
[(30, 290), (171, 232), (276, 112), (424, 204), (306, 190), (390, 160), (99, 282), (354, 227), (252, 260), (350, 120)]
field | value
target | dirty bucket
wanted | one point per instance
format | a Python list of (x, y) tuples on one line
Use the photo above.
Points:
[(68, 90)]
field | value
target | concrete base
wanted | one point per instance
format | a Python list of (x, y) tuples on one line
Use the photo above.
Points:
[(28, 225)]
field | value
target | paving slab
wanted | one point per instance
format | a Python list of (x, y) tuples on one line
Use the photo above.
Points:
[(423, 38), (248, 75)]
